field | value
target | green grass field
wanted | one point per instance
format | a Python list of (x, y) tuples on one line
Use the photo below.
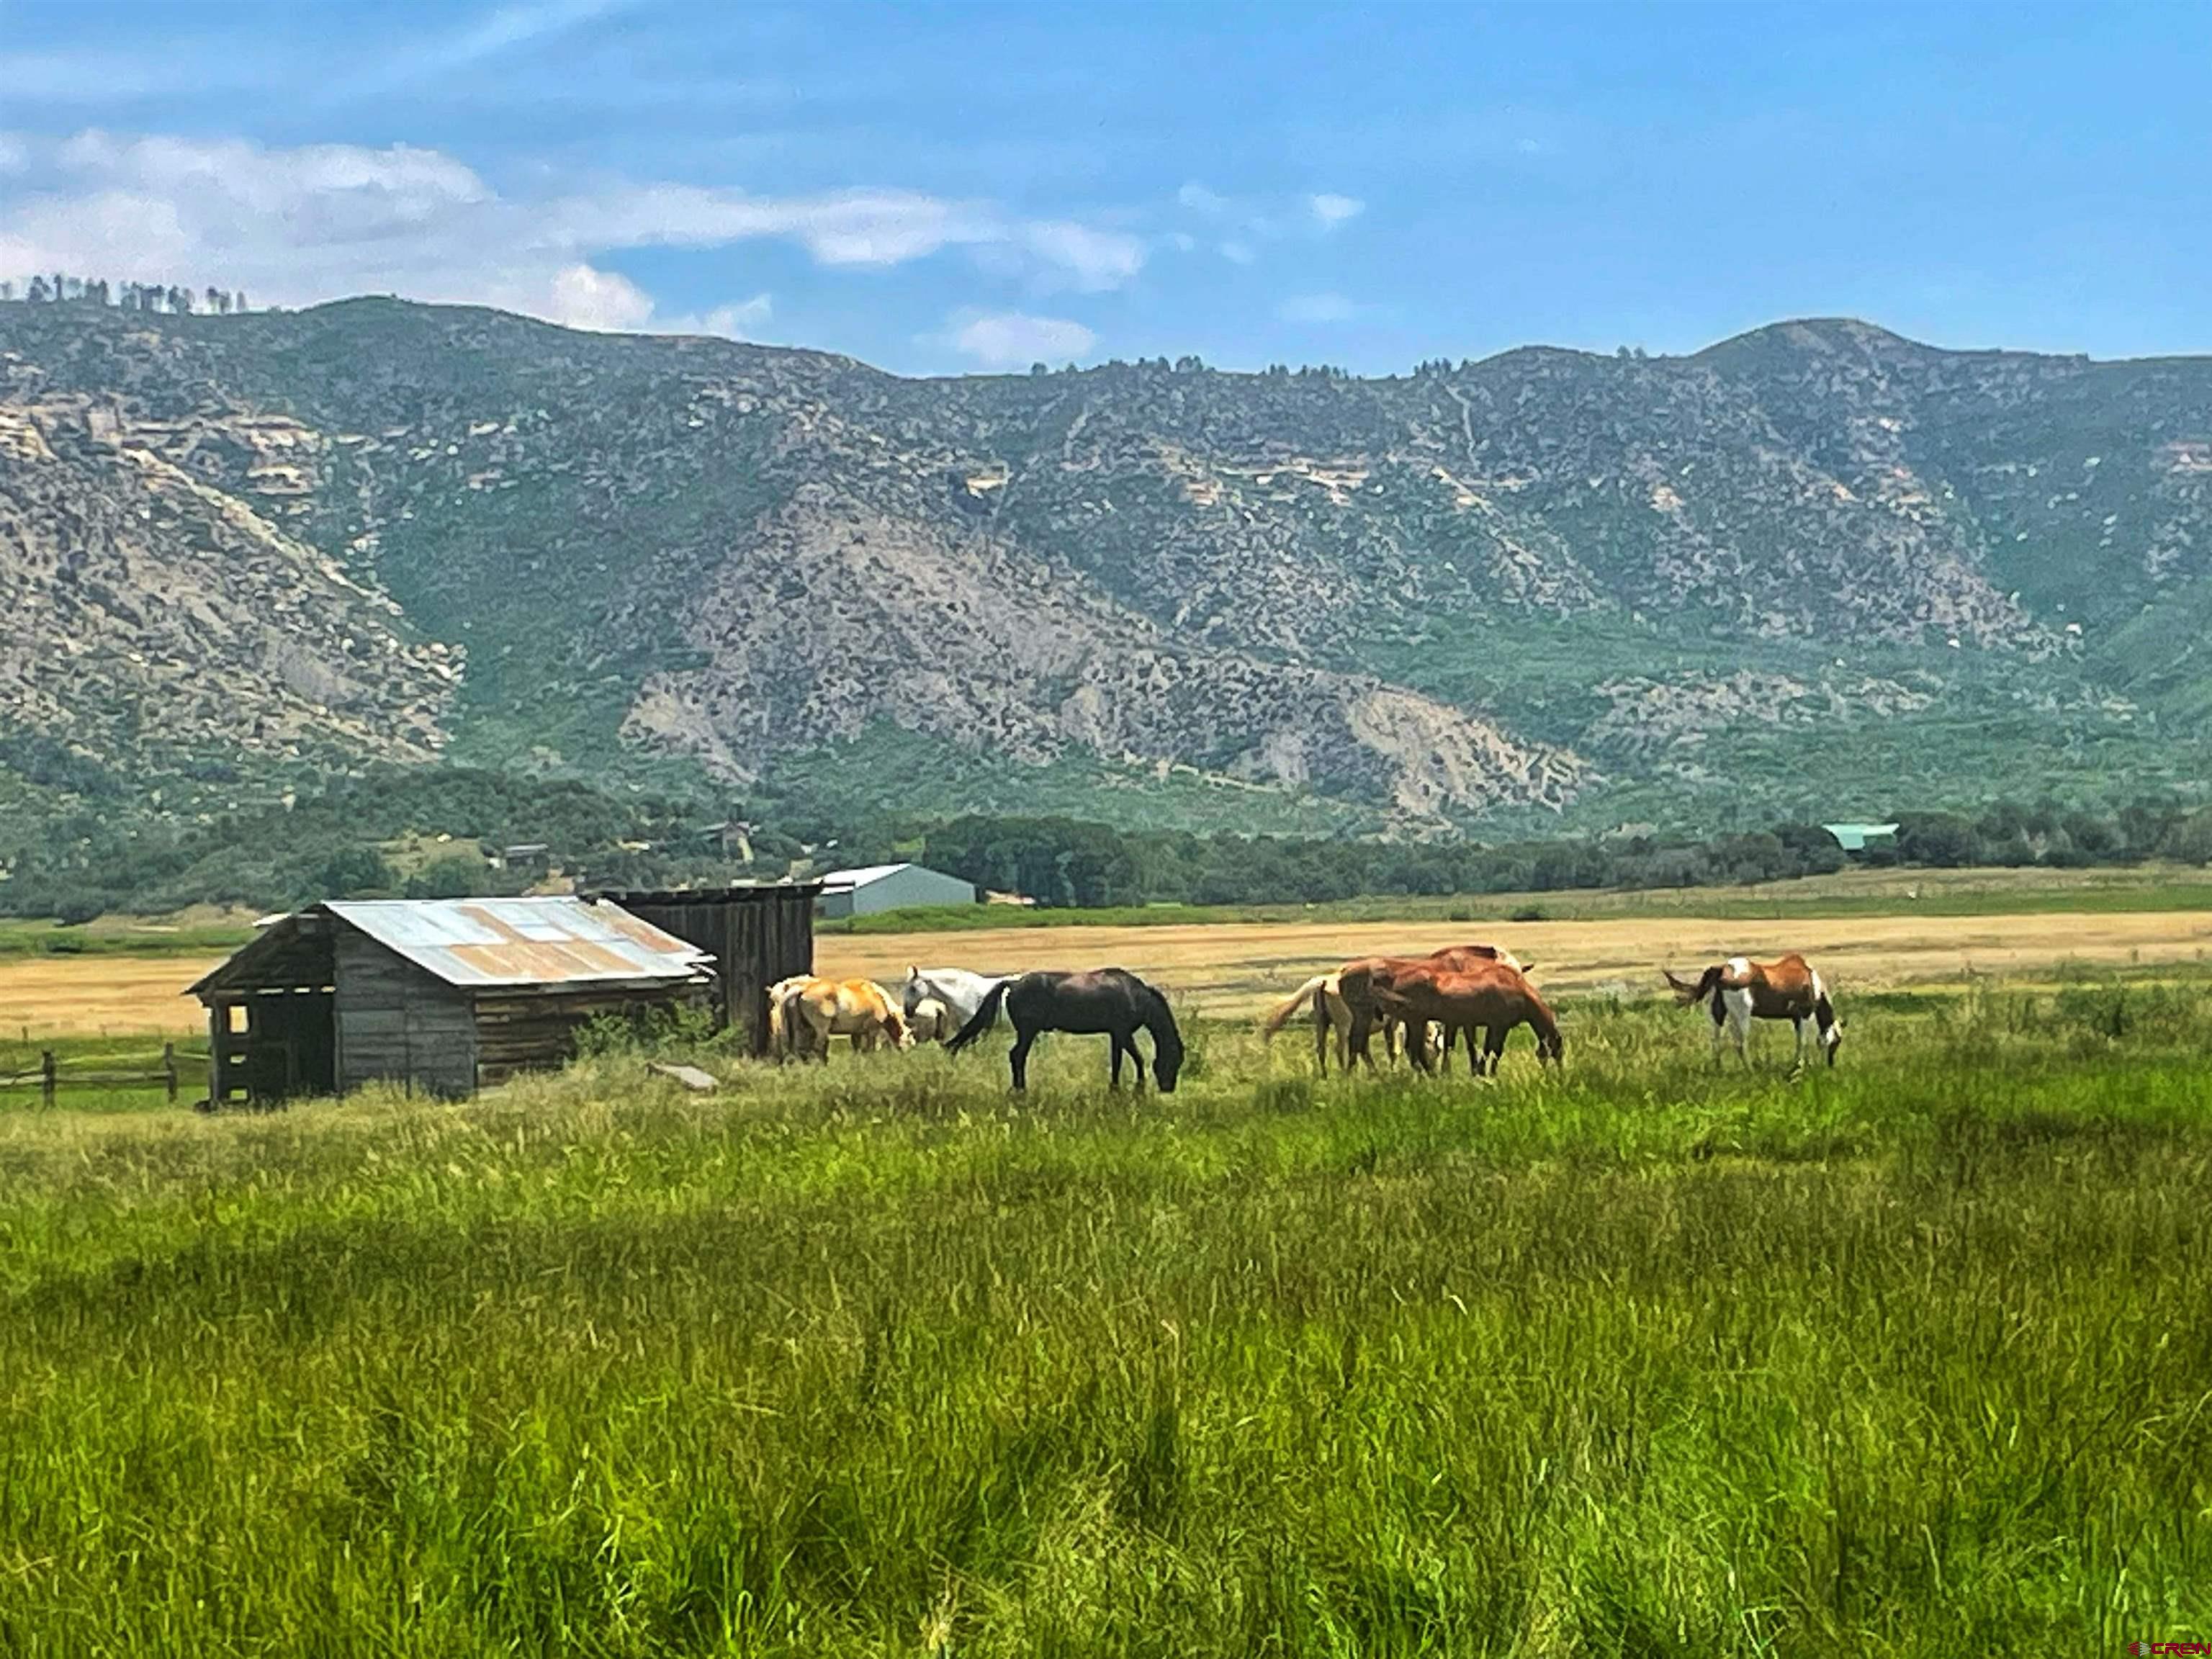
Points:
[(1635, 1358)]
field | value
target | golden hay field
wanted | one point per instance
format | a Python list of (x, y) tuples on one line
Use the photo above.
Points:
[(1235, 968)]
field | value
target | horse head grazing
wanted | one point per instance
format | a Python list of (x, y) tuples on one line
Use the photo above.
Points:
[(1831, 1028), (1550, 1045), (1167, 1041)]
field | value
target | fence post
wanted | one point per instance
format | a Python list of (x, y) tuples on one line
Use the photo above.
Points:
[(48, 1081), (169, 1069)]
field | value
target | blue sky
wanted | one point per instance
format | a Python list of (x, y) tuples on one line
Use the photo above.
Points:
[(939, 189)]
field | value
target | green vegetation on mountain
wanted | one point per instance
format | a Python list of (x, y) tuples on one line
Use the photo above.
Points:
[(1815, 572)]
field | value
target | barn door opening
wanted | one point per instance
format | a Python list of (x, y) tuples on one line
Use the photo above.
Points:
[(291, 1045)]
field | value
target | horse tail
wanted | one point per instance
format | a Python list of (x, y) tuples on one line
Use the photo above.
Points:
[(775, 1023), (987, 1016), (1279, 1015), (1688, 994)]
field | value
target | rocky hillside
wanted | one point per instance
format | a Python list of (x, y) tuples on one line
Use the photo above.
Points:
[(1802, 566)]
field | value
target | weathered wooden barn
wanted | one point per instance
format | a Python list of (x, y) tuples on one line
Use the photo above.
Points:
[(443, 995), (758, 934)]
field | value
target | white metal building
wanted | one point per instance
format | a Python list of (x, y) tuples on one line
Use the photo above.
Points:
[(879, 887)]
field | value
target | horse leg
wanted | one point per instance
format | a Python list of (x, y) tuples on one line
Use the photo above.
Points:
[(1321, 1024), (1136, 1058), (1019, 1057), (1417, 1047), (1113, 1071), (1363, 1033), (1797, 1060)]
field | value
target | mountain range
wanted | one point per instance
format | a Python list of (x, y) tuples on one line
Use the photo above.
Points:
[(1818, 570)]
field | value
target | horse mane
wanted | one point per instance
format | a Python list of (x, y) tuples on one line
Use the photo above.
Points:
[(1158, 1017)]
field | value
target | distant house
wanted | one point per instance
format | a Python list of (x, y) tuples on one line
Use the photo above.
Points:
[(1856, 837), (876, 888)]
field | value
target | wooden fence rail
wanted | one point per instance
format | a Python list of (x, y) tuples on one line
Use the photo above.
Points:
[(54, 1074)]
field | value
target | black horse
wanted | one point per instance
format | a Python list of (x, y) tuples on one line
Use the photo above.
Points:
[(1111, 1001)]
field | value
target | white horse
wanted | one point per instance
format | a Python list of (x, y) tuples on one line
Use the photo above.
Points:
[(961, 991)]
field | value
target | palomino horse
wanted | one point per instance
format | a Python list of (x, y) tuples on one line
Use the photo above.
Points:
[(1743, 990), (816, 1010), (1490, 997), (1112, 1002), (1355, 982), (960, 991)]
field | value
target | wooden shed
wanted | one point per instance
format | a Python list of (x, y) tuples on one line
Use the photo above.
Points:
[(443, 995), (757, 933)]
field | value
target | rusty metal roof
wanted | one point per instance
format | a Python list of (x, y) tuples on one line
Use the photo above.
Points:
[(525, 941)]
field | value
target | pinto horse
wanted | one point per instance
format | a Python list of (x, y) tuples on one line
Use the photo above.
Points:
[(1743, 990), (1109, 1001), (1488, 996)]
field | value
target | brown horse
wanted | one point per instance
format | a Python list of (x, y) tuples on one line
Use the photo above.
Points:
[(1743, 990), (1487, 996), (1355, 983)]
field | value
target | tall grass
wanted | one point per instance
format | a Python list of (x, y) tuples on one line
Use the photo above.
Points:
[(1640, 1358)]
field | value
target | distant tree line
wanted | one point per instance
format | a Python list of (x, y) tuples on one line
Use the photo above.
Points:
[(1065, 861), (335, 843), (61, 288)]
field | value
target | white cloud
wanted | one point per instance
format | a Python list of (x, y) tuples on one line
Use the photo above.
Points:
[(498, 33), (1330, 210), (1012, 339), (1244, 224), (293, 227), (606, 299), (738, 321), (1093, 259), (1317, 308)]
